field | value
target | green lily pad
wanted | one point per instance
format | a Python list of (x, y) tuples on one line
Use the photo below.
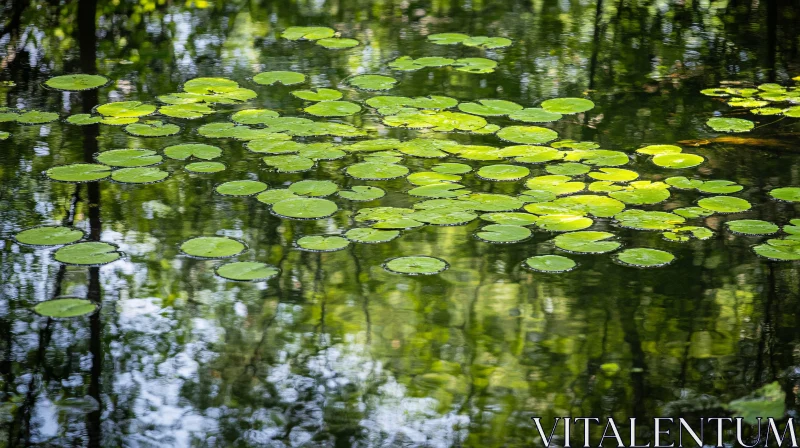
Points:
[(431, 177), (314, 188), (660, 149), (205, 167), (118, 121), (568, 168), (490, 108), (304, 208), (586, 242), (49, 236), (322, 243), (212, 247), (730, 124), (503, 233), (65, 308), (308, 33), (439, 190), (642, 193), (529, 135), (683, 183), (534, 115), (90, 253), (447, 38), (241, 188), (567, 105), (768, 402), (152, 128), (376, 171), (337, 43), (37, 117), (552, 264), (362, 193), (333, 109), (614, 175), (752, 227), (187, 111), (489, 202), (563, 223), (247, 271), (76, 83), (503, 172), (788, 194), (677, 161), (557, 184), (693, 212), (475, 65), (83, 119), (4, 135), (126, 109), (719, 187), (779, 249), (415, 265), (724, 204), (643, 257), (371, 236), (595, 205), (451, 168), (372, 82), (79, 172), (286, 78), (406, 63), (648, 220), (129, 157), (487, 42), (289, 164), (683, 234), (511, 218), (140, 175), (192, 150), (318, 94), (272, 196), (254, 116)]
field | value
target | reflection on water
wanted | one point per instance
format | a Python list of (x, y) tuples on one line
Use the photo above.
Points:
[(336, 351)]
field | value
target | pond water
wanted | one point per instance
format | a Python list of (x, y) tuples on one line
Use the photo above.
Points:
[(334, 349)]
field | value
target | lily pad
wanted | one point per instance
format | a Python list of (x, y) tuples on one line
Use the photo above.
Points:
[(568, 168), (752, 227), (550, 264), (730, 124), (37, 117), (65, 308), (129, 157), (126, 109), (563, 223), (333, 109), (337, 43), (587, 242), (451, 168), (511, 218), (254, 116), (318, 94), (503, 172), (241, 188), (314, 188), (475, 65), (90, 253), (486, 42), (286, 78), (490, 108), (415, 265), (304, 208), (768, 402), (643, 257), (289, 164), (187, 111), (779, 249), (788, 194), (648, 220), (371, 236), (535, 115), (152, 128), (376, 171), (372, 82), (614, 175), (683, 234), (660, 149), (308, 33), (272, 196), (322, 243), (503, 233), (719, 187), (529, 135), (724, 204), (79, 172), (192, 150), (49, 236), (677, 161), (76, 83), (247, 271), (567, 105), (83, 119), (447, 38), (212, 247), (205, 167), (141, 175), (362, 193)]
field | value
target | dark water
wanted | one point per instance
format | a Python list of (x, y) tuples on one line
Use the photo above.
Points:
[(336, 351)]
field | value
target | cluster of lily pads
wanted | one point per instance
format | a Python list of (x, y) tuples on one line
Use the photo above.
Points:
[(565, 185), (764, 99)]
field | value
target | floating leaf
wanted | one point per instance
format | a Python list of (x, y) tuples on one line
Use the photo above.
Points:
[(272, 196), (475, 65), (152, 129), (677, 161), (550, 264), (192, 150), (126, 109), (752, 227), (503, 172), (91, 253), (322, 243), (693, 212), (48, 236), (431, 177), (415, 265), (372, 82), (568, 168), (648, 220), (447, 38), (529, 135), (254, 116), (406, 63), (247, 271), (128, 157), (314, 188), (371, 236), (730, 124), (769, 402), (779, 249), (511, 218), (362, 193), (337, 43), (241, 188), (490, 108), (557, 184), (212, 247), (307, 33), (719, 187), (333, 109), (535, 115), (376, 171), (567, 105), (304, 208), (279, 77), (586, 242), (724, 204), (439, 190), (488, 202), (660, 149), (788, 194), (37, 117), (685, 233), (563, 223), (205, 167), (289, 164), (83, 119), (486, 42), (143, 175), (76, 83), (79, 172), (65, 308), (188, 111), (318, 94), (614, 175), (503, 233), (644, 257), (642, 192), (451, 168), (599, 206), (4, 135)]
